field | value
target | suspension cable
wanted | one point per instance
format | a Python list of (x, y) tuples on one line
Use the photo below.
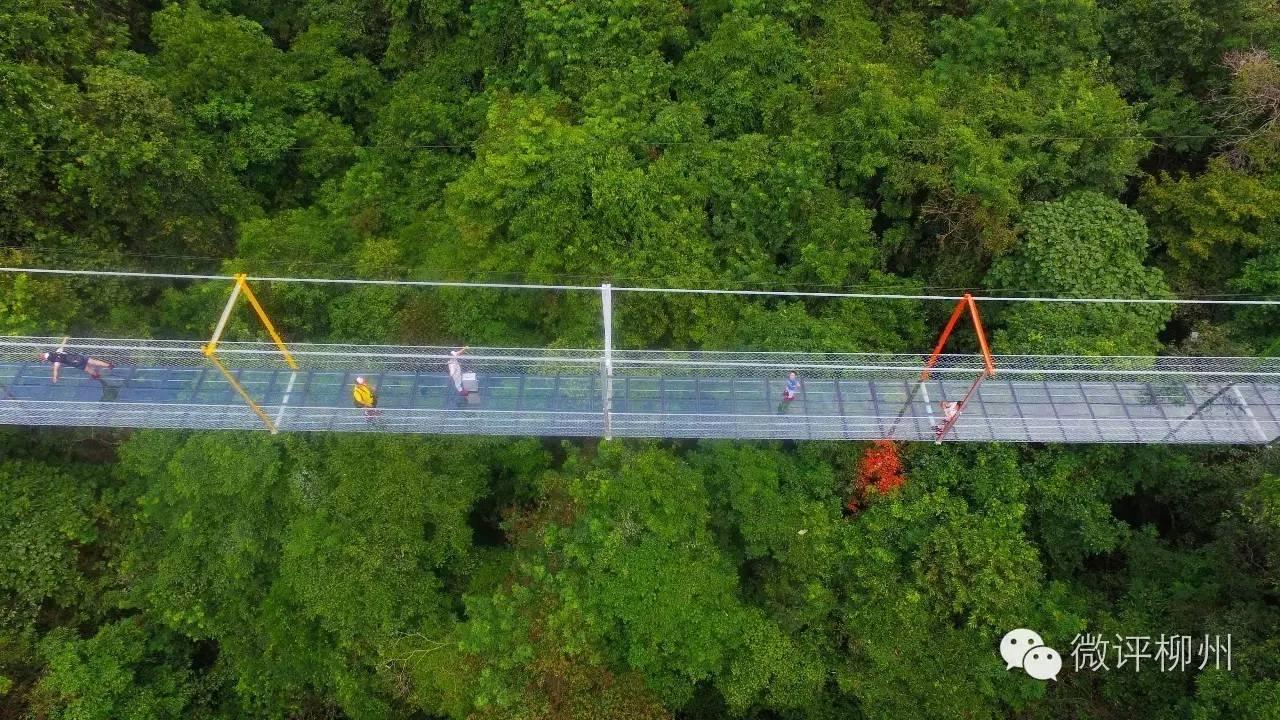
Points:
[(674, 291)]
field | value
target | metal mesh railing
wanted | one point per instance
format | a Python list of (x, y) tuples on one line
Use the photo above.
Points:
[(317, 356), (909, 366), (652, 363)]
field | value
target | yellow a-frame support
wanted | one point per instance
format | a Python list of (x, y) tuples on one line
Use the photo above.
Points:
[(210, 350)]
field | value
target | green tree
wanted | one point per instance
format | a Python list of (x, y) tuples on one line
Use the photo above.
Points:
[(48, 517), (122, 671), (1004, 36), (931, 579), (745, 76), (1211, 224), (1087, 246)]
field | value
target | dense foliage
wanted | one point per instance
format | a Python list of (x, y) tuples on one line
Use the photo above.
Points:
[(1067, 147)]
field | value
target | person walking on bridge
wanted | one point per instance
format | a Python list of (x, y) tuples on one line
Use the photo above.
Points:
[(949, 411), (79, 361), (365, 397), (455, 371), (789, 392)]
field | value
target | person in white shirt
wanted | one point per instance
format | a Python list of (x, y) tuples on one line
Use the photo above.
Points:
[(949, 410), (455, 370)]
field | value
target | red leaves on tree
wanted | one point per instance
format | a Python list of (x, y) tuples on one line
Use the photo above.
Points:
[(880, 470)]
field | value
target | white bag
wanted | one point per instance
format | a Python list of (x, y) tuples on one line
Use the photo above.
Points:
[(469, 382)]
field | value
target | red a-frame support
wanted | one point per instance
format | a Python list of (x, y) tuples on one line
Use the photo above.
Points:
[(988, 369), (989, 365)]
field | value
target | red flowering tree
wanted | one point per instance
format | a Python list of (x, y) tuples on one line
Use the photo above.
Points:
[(880, 469)]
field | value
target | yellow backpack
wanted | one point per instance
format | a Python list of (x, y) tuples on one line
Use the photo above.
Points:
[(363, 395)]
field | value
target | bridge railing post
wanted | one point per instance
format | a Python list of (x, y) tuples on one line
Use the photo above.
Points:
[(606, 364)]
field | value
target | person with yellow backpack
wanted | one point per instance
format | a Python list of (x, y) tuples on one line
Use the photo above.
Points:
[(365, 397)]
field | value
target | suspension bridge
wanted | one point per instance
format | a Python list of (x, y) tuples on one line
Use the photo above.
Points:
[(607, 392)]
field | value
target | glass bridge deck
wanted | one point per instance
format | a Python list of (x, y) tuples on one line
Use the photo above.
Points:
[(684, 406)]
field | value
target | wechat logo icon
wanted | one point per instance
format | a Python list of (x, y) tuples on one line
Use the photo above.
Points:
[(1023, 648)]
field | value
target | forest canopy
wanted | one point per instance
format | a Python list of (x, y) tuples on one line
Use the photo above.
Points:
[(1113, 148)]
